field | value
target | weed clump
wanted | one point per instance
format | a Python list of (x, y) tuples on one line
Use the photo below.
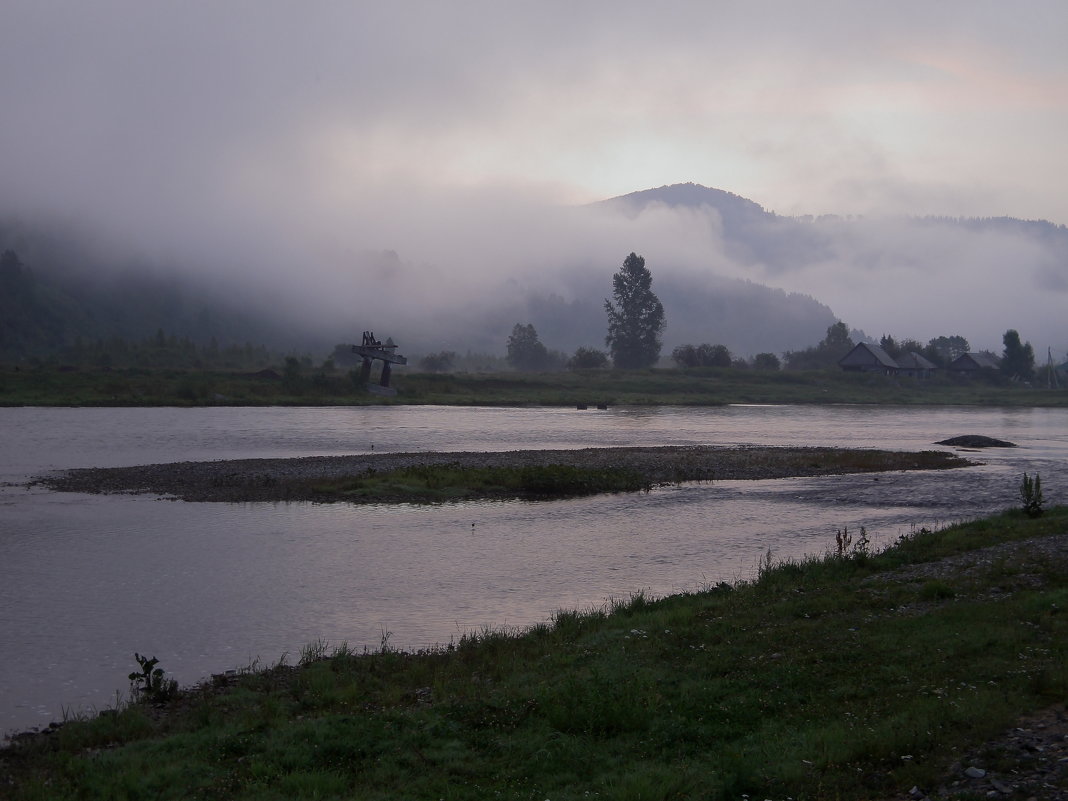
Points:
[(844, 547), (151, 683), (1031, 495)]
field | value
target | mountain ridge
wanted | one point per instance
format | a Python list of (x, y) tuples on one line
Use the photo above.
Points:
[(752, 280), (694, 195)]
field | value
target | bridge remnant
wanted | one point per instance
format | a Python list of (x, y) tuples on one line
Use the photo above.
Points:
[(370, 350)]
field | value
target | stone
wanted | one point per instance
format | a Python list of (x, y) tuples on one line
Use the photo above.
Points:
[(976, 441), (974, 772)]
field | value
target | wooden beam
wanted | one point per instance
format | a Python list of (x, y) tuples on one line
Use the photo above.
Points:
[(379, 353)]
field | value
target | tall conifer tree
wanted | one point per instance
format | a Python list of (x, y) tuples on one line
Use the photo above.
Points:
[(636, 319)]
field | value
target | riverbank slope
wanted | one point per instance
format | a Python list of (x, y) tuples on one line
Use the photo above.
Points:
[(58, 386), (905, 674)]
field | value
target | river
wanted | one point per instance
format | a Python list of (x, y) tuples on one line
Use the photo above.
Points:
[(85, 581)]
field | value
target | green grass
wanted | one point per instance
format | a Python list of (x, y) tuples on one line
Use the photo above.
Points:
[(443, 482), (431, 483), (701, 387), (819, 679)]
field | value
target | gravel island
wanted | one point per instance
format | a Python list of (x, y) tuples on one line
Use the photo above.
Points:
[(300, 479)]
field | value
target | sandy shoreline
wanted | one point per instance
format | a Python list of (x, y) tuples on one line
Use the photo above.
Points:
[(293, 479)]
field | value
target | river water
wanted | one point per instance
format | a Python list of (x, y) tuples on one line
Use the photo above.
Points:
[(85, 581)]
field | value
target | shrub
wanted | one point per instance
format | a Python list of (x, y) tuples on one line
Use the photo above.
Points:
[(150, 683), (1031, 495), (587, 359), (442, 362)]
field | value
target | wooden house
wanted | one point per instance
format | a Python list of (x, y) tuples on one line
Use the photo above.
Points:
[(868, 358), (972, 363), (915, 365)]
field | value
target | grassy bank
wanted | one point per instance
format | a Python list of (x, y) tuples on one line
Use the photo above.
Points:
[(455, 481), (852, 676), (709, 386), (448, 482)]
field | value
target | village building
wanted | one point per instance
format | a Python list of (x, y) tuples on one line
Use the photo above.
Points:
[(869, 358), (972, 363), (915, 365)]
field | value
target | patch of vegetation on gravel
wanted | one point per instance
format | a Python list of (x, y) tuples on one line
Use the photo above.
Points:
[(444, 482), (408, 477)]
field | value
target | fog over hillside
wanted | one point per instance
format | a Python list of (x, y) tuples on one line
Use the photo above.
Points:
[(297, 173), (917, 277), (458, 276)]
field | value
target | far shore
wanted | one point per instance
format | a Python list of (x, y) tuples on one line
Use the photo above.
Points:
[(57, 385), (305, 478)]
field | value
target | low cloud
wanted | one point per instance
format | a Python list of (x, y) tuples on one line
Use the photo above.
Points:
[(423, 167)]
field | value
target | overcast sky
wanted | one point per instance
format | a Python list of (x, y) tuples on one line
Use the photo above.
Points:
[(806, 107), (390, 121)]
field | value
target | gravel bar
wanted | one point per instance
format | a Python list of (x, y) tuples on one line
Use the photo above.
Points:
[(294, 479)]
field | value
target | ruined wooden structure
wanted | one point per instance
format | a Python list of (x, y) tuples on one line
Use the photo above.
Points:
[(371, 350)]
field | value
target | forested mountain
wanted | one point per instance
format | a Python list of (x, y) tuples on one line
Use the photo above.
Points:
[(58, 288), (916, 277), (726, 270), (64, 288), (754, 235), (747, 317)]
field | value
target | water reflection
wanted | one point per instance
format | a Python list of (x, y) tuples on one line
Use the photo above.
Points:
[(85, 581)]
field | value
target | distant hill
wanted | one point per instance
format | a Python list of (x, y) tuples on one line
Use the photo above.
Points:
[(921, 276), (747, 317), (81, 291), (727, 271), (757, 231), (750, 233), (735, 210), (58, 287)]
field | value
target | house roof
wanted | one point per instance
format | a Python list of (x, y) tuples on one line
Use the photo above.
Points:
[(973, 361), (866, 354), (914, 361)]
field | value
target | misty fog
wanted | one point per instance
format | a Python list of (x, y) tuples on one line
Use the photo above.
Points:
[(431, 172), (727, 271)]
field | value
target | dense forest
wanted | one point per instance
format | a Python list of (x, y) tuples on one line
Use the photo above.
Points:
[(63, 302)]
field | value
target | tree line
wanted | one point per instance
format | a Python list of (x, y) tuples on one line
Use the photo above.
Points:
[(33, 316), (636, 321), (1016, 361), (93, 314), (164, 351)]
